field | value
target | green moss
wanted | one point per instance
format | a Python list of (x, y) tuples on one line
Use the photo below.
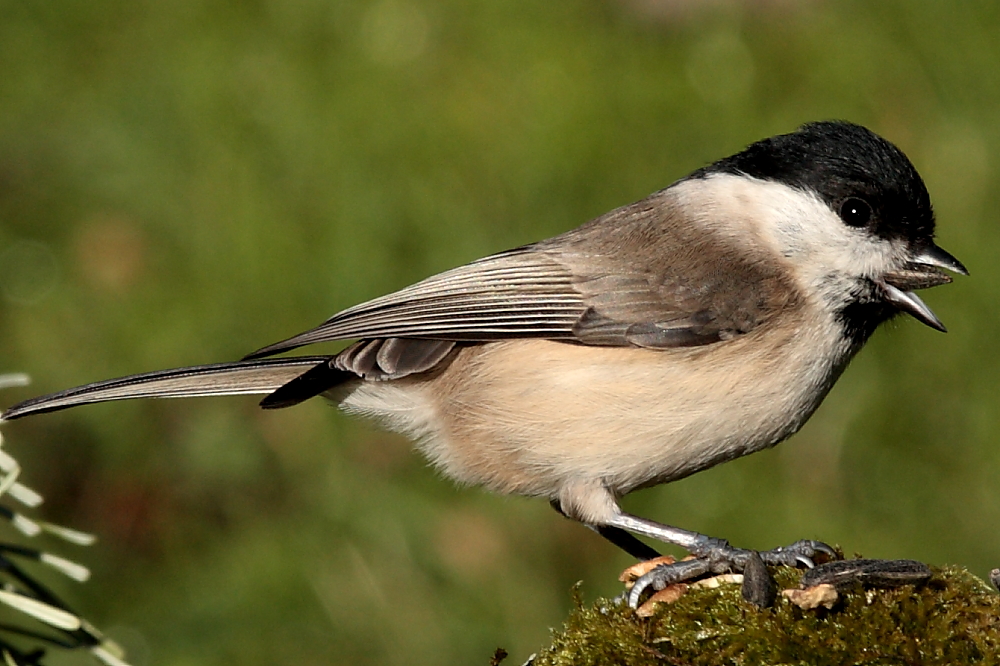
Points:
[(953, 619)]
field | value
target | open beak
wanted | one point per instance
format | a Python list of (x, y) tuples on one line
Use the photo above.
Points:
[(924, 270)]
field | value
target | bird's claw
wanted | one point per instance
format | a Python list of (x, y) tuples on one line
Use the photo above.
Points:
[(665, 575), (717, 556), (803, 552)]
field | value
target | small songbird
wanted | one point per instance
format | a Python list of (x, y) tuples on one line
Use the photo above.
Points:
[(702, 323)]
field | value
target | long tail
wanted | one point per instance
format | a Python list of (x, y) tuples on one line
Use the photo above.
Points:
[(238, 378)]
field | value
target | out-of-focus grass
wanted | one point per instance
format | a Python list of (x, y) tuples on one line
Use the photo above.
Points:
[(182, 182)]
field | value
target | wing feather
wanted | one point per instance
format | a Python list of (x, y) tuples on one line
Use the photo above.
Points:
[(516, 293)]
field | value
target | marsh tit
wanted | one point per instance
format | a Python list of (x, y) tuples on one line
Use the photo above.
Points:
[(702, 323)]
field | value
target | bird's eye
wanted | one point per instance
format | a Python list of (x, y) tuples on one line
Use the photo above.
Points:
[(855, 212)]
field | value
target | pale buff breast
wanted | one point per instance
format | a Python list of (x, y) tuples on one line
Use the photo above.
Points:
[(530, 416)]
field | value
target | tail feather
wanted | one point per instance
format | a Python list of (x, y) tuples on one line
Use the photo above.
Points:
[(237, 378)]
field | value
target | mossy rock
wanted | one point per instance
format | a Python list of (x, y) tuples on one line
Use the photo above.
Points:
[(952, 619)]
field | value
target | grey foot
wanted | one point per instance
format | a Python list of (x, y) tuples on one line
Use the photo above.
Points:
[(716, 556)]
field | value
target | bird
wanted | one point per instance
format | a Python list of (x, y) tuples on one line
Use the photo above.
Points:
[(700, 324)]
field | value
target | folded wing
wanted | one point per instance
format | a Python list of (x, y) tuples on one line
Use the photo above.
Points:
[(658, 281)]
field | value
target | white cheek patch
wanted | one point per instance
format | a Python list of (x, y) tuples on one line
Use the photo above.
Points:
[(825, 255)]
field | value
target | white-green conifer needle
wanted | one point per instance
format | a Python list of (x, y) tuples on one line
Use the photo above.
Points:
[(41, 611)]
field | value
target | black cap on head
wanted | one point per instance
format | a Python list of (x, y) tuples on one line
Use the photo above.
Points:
[(842, 162)]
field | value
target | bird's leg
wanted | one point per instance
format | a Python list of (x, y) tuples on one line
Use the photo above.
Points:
[(592, 503), (715, 556), (627, 542), (687, 570), (619, 537)]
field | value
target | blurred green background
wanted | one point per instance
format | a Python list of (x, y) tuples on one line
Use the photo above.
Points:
[(183, 182)]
